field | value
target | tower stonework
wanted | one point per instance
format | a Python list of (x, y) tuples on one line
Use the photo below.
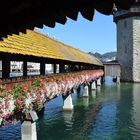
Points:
[(128, 42)]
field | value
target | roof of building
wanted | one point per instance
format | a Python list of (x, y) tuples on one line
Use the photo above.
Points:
[(114, 62), (19, 15), (35, 44)]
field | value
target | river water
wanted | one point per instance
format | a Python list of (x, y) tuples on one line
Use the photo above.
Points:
[(112, 112)]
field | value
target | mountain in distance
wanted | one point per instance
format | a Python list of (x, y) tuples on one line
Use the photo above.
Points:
[(106, 57)]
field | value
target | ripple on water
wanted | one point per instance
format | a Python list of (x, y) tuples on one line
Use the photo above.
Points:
[(105, 123), (135, 131), (113, 116), (10, 132)]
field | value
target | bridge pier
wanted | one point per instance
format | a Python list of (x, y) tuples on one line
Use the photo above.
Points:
[(28, 127), (28, 130), (67, 103), (86, 91), (79, 89), (118, 79), (74, 90), (99, 81), (93, 85)]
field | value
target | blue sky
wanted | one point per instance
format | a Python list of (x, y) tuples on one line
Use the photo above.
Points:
[(96, 36)]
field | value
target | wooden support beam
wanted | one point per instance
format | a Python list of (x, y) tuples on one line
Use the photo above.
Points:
[(69, 68), (42, 68), (5, 67), (24, 68), (54, 68), (72, 67), (79, 67), (61, 67)]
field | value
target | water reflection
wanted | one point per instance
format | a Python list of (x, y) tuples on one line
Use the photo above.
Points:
[(112, 112), (125, 112), (105, 123), (93, 93), (98, 89), (136, 112), (68, 119), (85, 101)]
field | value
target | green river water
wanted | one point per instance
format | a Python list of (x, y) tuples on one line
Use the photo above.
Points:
[(112, 112)]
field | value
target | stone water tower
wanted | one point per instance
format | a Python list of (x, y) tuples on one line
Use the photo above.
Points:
[(128, 42)]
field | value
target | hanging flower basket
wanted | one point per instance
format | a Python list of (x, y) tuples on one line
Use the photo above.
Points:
[(22, 97)]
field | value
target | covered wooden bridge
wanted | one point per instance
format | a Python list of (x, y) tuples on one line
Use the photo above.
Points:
[(35, 47), (25, 96), (26, 93)]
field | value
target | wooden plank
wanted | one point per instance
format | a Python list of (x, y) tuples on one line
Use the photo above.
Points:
[(42, 68), (24, 68), (112, 70)]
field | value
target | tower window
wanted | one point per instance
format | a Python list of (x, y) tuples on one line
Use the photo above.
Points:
[(125, 24)]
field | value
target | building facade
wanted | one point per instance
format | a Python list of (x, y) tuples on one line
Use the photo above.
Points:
[(128, 42)]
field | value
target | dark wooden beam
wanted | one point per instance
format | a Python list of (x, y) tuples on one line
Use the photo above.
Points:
[(61, 67), (24, 68), (42, 68), (6, 67), (22, 14), (54, 68)]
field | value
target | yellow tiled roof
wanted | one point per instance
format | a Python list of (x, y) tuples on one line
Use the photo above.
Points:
[(35, 44)]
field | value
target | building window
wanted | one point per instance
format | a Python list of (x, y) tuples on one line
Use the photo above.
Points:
[(33, 68), (49, 69), (16, 68), (57, 68)]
